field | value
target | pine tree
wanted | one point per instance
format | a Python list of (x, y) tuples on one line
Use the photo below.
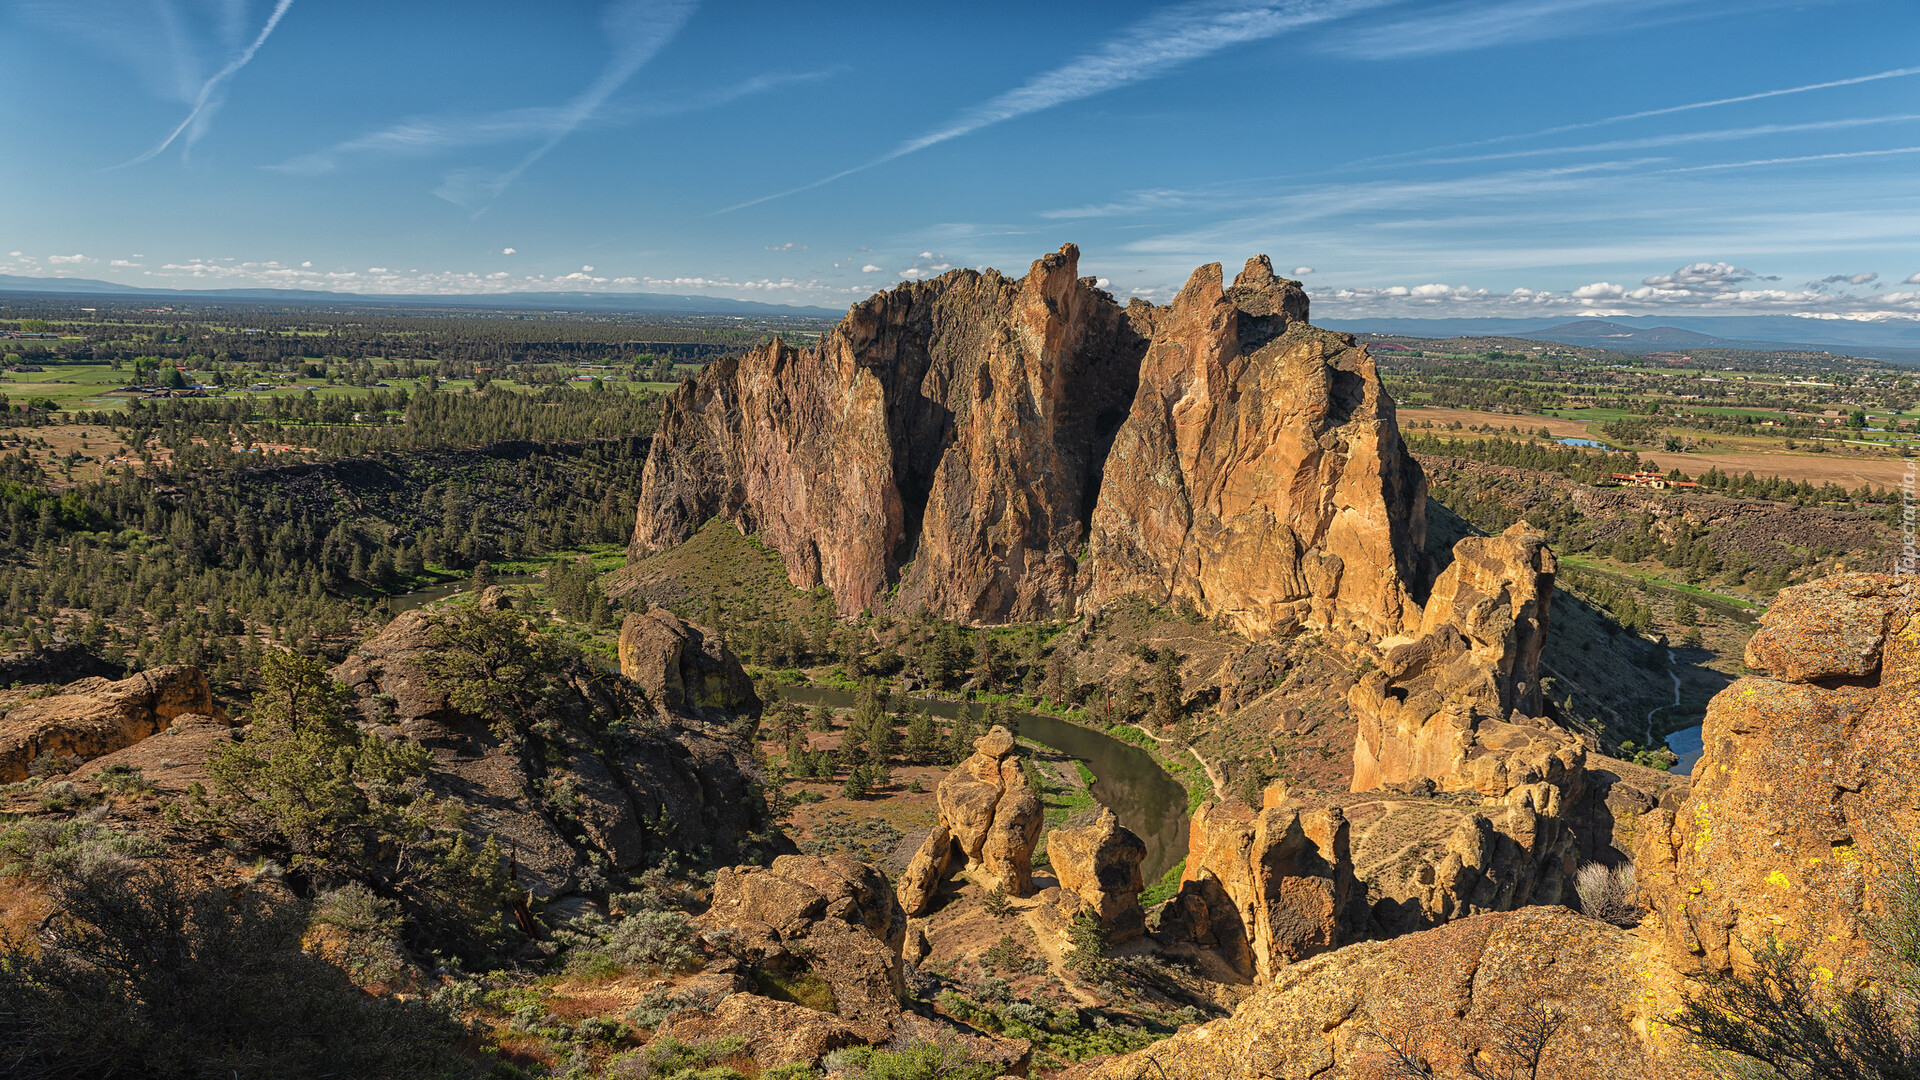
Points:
[(922, 746), (1167, 693)]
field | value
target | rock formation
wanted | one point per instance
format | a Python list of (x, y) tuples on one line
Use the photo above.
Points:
[(832, 917), (1260, 474), (1474, 657), (965, 441), (94, 716), (1441, 994), (1099, 864), (680, 787), (1266, 889), (989, 817), (1808, 787), (684, 668), (946, 436)]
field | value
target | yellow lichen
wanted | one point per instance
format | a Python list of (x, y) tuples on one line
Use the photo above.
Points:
[(1780, 879)]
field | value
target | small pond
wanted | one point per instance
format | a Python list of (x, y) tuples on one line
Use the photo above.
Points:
[(1594, 444), (1127, 779)]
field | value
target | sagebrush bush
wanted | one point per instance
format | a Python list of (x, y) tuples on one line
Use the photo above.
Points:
[(647, 940), (80, 848), (1609, 894)]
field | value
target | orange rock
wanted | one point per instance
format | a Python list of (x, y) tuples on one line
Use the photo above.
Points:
[(1809, 786), (1260, 474)]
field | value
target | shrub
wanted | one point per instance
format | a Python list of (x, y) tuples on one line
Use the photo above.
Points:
[(1784, 1019), (671, 1059), (1609, 894), (649, 939), (82, 848), (368, 928), (140, 973), (928, 1059)]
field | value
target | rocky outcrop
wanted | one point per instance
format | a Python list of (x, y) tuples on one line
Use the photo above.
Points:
[(963, 443), (94, 716), (832, 918), (1260, 473), (1809, 785), (946, 437), (989, 818), (684, 668), (1474, 657), (1099, 865), (1265, 889), (1442, 995), (678, 784)]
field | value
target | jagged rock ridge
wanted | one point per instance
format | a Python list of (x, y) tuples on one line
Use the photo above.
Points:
[(967, 443), (946, 438)]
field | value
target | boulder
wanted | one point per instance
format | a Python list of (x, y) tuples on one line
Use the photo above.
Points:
[(1099, 864), (989, 818), (832, 917), (1808, 788), (1267, 888), (95, 716), (683, 667), (777, 1032), (1442, 995)]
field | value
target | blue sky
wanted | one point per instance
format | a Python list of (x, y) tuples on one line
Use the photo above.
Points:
[(1496, 158)]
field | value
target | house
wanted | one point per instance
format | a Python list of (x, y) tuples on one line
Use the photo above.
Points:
[(1648, 479)]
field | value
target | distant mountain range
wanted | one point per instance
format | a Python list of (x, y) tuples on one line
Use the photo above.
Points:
[(1896, 340), (635, 303)]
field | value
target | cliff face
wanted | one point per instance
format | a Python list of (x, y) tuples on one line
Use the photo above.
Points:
[(965, 441), (946, 437), (1260, 474), (1807, 791)]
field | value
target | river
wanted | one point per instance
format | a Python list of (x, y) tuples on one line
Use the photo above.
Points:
[(420, 598), (1126, 778)]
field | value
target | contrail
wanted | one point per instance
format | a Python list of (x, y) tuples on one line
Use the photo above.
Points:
[(1146, 50), (206, 91), (1895, 73)]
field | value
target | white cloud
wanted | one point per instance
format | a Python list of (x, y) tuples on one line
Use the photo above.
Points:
[(788, 246), (1846, 279), (586, 269), (125, 263), (1913, 280), (1702, 274), (869, 269), (1302, 271), (507, 251), (70, 260), (306, 265)]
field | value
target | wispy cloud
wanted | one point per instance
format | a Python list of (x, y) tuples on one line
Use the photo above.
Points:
[(1680, 138), (213, 91), (1146, 50), (1837, 156), (637, 30), (1644, 114), (1478, 25), (428, 135)]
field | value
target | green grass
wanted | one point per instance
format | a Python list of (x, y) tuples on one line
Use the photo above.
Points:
[(1657, 581)]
